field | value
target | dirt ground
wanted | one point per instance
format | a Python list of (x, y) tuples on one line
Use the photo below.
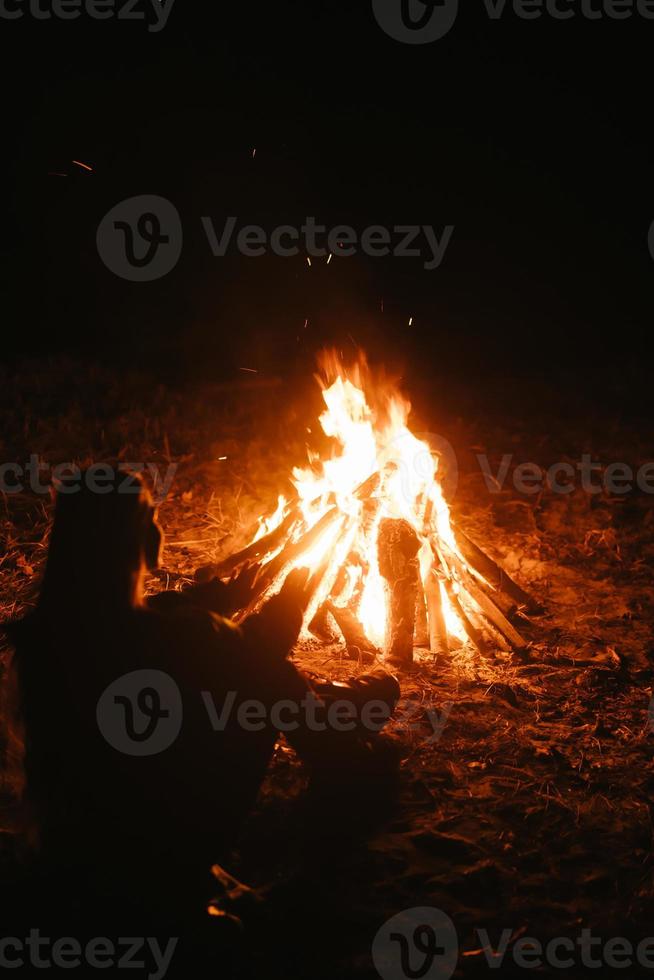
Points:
[(530, 810)]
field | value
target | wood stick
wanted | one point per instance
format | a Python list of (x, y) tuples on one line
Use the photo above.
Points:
[(368, 487), (320, 625), (336, 579), (493, 573), (493, 614), (294, 549), (427, 515), (257, 550), (290, 553), (506, 605), (421, 638), (472, 632), (397, 549)]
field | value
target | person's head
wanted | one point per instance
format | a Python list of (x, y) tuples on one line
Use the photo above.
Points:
[(104, 538)]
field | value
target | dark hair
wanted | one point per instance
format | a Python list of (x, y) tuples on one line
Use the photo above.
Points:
[(99, 546), (100, 541)]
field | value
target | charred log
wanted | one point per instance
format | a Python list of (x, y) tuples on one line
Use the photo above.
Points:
[(483, 599), (492, 572)]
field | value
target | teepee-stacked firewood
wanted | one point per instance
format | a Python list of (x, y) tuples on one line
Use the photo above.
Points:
[(390, 573), (460, 584)]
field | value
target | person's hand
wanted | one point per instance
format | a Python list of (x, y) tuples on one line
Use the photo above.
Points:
[(224, 598), (278, 624), (296, 590), (238, 590)]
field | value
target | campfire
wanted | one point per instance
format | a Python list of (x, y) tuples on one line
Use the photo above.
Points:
[(397, 580)]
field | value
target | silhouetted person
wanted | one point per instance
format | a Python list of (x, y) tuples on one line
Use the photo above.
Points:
[(144, 829)]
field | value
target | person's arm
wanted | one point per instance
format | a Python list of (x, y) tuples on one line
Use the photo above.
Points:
[(276, 627), (216, 596), (217, 649)]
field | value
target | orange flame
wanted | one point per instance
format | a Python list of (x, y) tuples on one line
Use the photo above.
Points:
[(369, 441)]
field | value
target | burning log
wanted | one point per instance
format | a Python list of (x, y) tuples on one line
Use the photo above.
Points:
[(368, 487), (438, 642), (464, 590), (294, 550), (320, 625), (345, 616), (357, 644), (255, 551), (397, 549), (291, 552), (421, 638)]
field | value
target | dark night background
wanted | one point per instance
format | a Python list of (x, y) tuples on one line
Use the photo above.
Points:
[(533, 138)]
